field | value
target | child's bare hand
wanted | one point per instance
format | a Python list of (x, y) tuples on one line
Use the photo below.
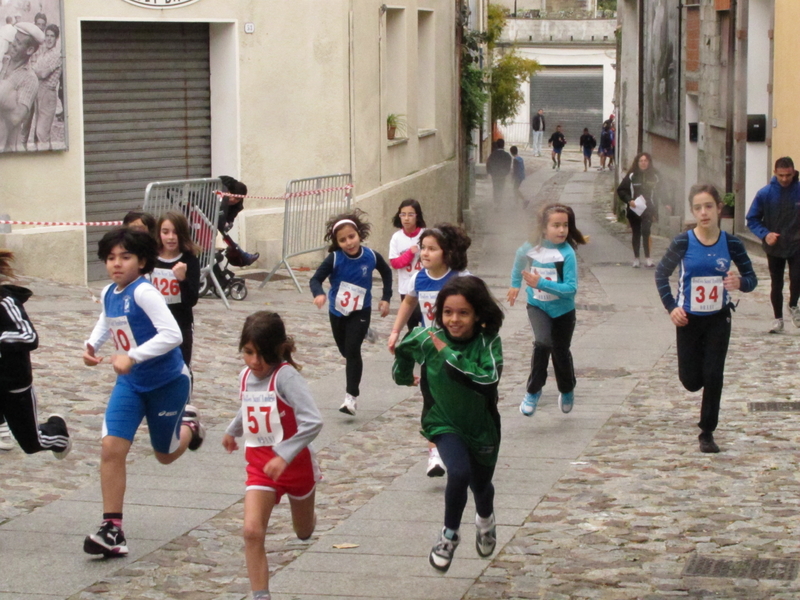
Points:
[(122, 364), (180, 271), (319, 301), (275, 468), (416, 381), (384, 308), (732, 282), (532, 279), (678, 316), (392, 343), (229, 443), (512, 296), (89, 359), (437, 343)]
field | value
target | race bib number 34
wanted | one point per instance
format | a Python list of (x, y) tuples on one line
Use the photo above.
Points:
[(121, 334), (707, 294), (349, 298), (262, 420)]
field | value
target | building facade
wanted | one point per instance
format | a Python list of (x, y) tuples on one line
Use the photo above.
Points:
[(263, 90)]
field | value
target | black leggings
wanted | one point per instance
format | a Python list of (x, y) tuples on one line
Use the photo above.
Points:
[(777, 266), (463, 472), (19, 409), (702, 348), (349, 333), (552, 337), (640, 230)]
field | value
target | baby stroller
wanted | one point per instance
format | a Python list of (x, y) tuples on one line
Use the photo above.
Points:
[(234, 287)]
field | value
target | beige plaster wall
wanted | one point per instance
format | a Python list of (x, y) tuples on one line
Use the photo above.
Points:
[(786, 90)]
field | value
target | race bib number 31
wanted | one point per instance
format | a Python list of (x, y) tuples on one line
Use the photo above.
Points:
[(121, 334), (262, 420), (707, 294), (349, 298)]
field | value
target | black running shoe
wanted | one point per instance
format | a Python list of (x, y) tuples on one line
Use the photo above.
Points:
[(707, 443), (108, 541), (59, 421)]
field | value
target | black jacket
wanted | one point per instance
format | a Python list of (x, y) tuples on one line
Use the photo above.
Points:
[(17, 338), (538, 122), (642, 183), (499, 163)]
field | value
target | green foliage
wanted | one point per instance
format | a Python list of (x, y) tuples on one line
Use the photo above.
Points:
[(729, 199), (606, 4), (508, 73), (473, 85), (496, 20)]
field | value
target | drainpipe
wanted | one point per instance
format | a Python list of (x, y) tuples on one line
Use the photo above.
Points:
[(640, 126), (729, 119)]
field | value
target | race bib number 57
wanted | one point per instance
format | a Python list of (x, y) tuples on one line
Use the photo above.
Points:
[(262, 421)]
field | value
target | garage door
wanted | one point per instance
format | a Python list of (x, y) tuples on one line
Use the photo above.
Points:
[(571, 96), (147, 115)]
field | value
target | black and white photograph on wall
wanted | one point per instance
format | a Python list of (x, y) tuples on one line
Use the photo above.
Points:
[(32, 107), (661, 68)]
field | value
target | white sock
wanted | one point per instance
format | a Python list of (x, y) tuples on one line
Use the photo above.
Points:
[(484, 524), (433, 451)]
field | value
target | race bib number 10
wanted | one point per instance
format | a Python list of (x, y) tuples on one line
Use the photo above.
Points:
[(707, 294), (262, 420), (121, 334)]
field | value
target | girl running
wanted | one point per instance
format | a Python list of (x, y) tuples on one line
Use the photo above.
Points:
[(463, 357), (177, 274), (443, 254), (350, 266), (702, 310), (550, 269), (642, 184), (404, 250), (18, 339), (282, 421), (152, 379)]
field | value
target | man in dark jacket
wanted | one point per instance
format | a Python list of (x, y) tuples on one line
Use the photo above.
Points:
[(538, 132), (498, 165), (230, 207), (774, 217)]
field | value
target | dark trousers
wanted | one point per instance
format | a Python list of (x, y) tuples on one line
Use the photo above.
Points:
[(777, 267), (463, 472), (499, 187), (552, 337), (19, 409), (640, 230), (702, 348), (349, 333), (415, 319)]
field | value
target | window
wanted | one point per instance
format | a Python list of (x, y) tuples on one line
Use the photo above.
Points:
[(426, 72), (396, 73)]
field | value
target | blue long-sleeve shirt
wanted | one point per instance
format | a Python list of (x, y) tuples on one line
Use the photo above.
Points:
[(557, 266)]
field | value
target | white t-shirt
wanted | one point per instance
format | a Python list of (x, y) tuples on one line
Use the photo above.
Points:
[(398, 245)]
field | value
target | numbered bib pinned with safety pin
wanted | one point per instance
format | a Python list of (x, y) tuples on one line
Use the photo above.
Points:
[(549, 274), (262, 419), (349, 297), (121, 334), (707, 294), (165, 281)]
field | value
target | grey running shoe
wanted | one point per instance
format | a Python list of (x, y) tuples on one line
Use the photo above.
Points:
[(442, 552), (6, 441), (795, 310), (777, 326), (486, 538)]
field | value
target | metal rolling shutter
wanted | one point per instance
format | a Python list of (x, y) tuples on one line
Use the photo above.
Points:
[(147, 115), (571, 96)]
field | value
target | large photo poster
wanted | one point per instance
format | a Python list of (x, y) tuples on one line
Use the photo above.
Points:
[(661, 46), (32, 106)]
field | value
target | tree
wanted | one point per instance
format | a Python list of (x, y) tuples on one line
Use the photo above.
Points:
[(508, 74)]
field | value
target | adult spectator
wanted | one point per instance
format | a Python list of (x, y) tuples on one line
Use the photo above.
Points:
[(18, 85), (48, 70), (606, 150), (498, 165), (640, 192), (538, 132), (773, 217), (230, 207), (7, 33)]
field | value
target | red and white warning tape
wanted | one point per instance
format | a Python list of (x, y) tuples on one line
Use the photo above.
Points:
[(349, 186), (65, 223)]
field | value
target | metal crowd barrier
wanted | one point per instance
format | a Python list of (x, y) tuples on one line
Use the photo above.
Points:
[(195, 198), (309, 204)]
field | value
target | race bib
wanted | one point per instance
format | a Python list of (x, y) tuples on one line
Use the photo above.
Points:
[(707, 294), (550, 274), (349, 298), (415, 265), (164, 281), (262, 420), (122, 335), (427, 304)]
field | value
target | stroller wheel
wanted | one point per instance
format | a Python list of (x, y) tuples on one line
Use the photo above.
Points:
[(205, 287), (237, 289)]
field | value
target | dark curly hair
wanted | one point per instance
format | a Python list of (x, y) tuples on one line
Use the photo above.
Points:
[(266, 331), (138, 243), (454, 243), (357, 216)]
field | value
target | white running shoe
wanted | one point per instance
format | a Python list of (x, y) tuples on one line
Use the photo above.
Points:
[(349, 405), (795, 310), (442, 552), (648, 262), (636, 263), (6, 441), (485, 536), (777, 326), (435, 464)]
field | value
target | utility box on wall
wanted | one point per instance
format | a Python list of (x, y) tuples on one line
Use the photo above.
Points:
[(756, 128)]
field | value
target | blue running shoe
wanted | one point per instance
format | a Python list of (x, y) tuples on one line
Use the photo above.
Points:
[(565, 401), (528, 405)]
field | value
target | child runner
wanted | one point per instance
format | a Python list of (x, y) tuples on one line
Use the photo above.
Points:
[(282, 421), (177, 274), (702, 310), (350, 266), (404, 250), (587, 145), (550, 269), (443, 254), (463, 357), (557, 141), (17, 396), (518, 174), (606, 150), (152, 379), (142, 221)]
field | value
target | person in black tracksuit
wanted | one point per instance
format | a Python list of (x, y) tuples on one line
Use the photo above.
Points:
[(17, 396), (642, 180)]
